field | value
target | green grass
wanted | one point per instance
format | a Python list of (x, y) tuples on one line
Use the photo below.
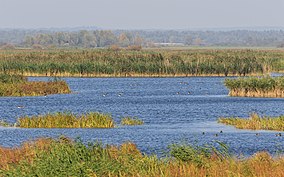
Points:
[(64, 157), (255, 122), (67, 120), (256, 87), (131, 121)]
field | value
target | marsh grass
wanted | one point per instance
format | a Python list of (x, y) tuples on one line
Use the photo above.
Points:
[(67, 120), (131, 121), (255, 122), (64, 157), (256, 87)]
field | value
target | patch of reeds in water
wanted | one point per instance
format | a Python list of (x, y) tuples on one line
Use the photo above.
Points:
[(131, 121), (255, 122), (256, 87), (17, 85), (63, 157), (67, 120)]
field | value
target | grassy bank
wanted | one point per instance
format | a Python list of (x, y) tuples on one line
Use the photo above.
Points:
[(255, 122), (145, 63), (67, 120), (18, 85), (256, 87), (63, 157)]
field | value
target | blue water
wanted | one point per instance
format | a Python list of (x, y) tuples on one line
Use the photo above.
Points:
[(174, 110)]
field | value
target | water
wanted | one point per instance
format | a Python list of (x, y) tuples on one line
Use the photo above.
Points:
[(174, 110)]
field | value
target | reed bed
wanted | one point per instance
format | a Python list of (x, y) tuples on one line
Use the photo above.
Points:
[(256, 87), (67, 120), (18, 85), (131, 121), (255, 122), (63, 157), (38, 88), (151, 63)]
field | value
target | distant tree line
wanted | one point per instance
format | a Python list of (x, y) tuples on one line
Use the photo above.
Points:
[(145, 38)]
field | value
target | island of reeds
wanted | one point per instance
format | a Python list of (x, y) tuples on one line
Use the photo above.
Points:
[(131, 121), (255, 122), (65, 157), (256, 87), (144, 63), (18, 85), (67, 120)]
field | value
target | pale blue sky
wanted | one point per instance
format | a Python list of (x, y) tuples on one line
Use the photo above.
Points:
[(141, 14)]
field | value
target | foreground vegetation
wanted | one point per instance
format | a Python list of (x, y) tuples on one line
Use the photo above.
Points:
[(255, 122), (63, 157), (256, 87), (17, 85), (67, 120), (153, 63)]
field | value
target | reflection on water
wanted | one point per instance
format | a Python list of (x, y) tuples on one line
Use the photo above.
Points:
[(173, 109)]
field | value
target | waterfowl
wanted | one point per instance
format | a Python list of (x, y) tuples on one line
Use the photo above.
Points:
[(20, 107)]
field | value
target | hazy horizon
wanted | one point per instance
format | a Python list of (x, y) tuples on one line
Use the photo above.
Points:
[(146, 14)]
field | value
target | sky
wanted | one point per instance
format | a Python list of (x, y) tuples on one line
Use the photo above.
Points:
[(141, 14)]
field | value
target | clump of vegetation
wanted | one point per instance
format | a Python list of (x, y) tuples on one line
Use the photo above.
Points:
[(18, 85), (256, 87), (64, 157), (4, 123), (255, 122), (131, 121), (67, 120), (133, 62)]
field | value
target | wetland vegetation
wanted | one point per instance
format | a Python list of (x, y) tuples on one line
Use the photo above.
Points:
[(148, 63), (64, 157), (18, 85), (255, 122), (67, 120), (256, 87)]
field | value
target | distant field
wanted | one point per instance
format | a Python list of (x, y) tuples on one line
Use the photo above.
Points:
[(174, 62)]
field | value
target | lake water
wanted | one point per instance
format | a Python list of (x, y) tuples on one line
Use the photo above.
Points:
[(175, 110)]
